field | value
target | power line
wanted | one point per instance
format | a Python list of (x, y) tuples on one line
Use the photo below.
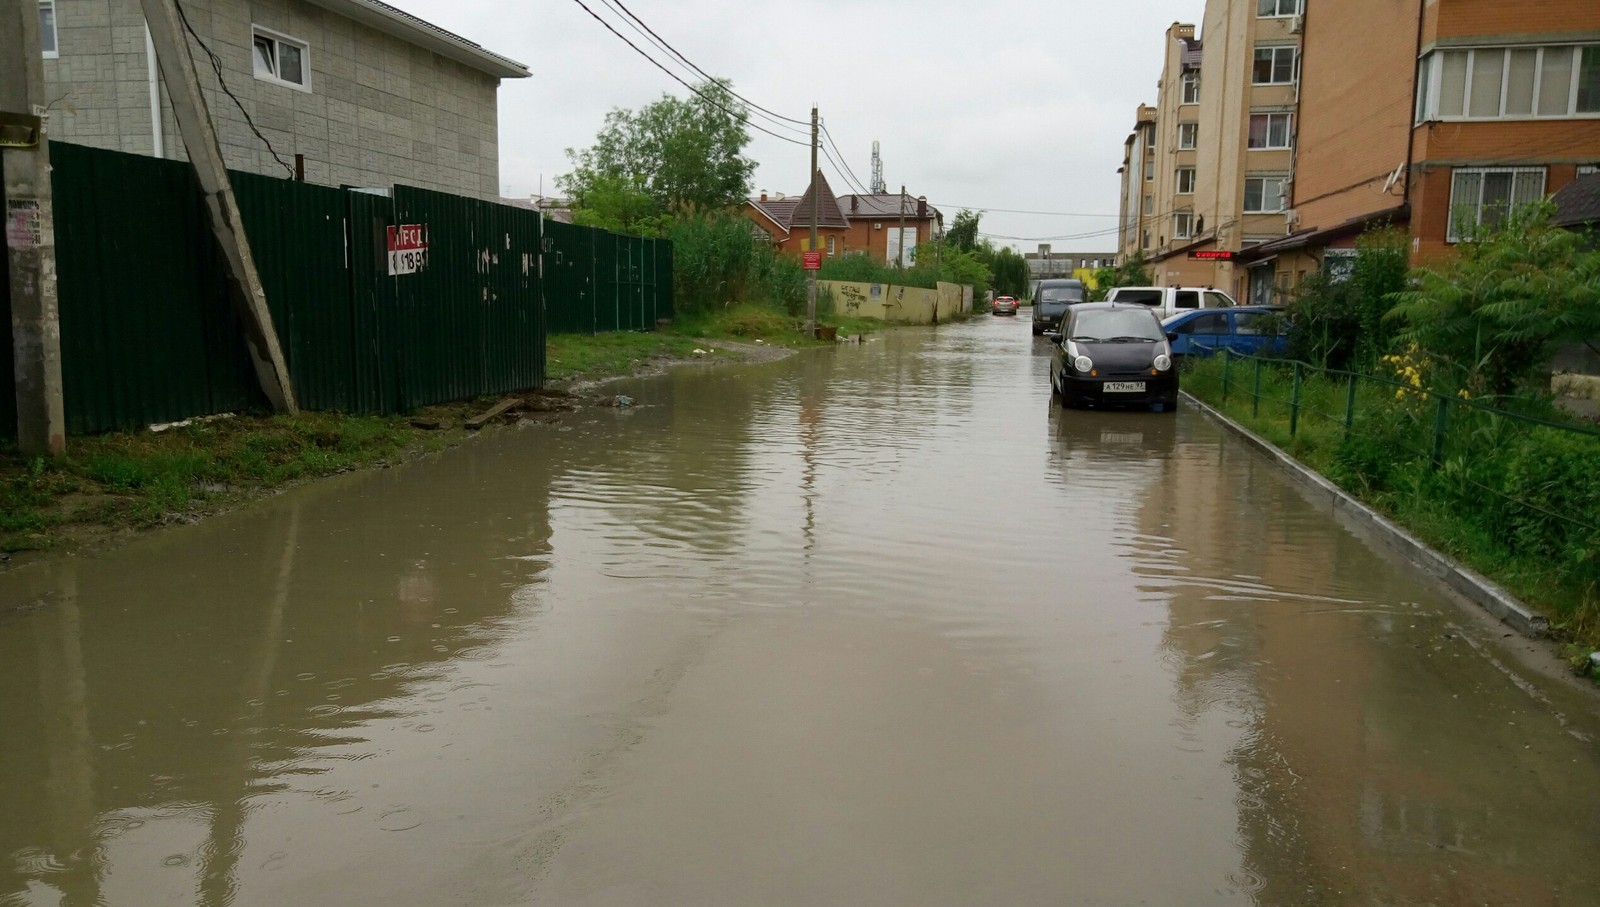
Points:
[(216, 64), (644, 31), (674, 76), (855, 180), (841, 170), (674, 51), (983, 209)]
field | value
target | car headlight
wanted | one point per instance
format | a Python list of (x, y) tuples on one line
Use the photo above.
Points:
[(1163, 362), (1083, 363)]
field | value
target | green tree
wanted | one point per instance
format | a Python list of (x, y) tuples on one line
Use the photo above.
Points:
[(1338, 316), (1132, 272), (1010, 269), (963, 232), (669, 157), (1490, 319)]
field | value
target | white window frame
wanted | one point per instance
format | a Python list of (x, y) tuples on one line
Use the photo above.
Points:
[(1183, 225), (279, 38), (1189, 80), (1586, 169), (1178, 180), (1288, 132), (1283, 199), (1294, 60), (831, 247), (53, 50), (1431, 70), (1193, 137), (1453, 225), (1278, 5)]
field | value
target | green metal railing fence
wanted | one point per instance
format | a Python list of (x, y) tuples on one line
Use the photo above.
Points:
[(148, 335), (1527, 469)]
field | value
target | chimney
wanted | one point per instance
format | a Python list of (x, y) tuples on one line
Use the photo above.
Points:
[(922, 206), (855, 203), (763, 195)]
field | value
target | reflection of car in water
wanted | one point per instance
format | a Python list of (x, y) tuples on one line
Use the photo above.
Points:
[(1248, 330), (1105, 435), (1113, 354)]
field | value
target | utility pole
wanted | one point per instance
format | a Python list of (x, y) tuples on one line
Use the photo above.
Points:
[(900, 259), (30, 235), (811, 276), (227, 224)]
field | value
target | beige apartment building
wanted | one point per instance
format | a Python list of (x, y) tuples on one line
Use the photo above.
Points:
[(1231, 94), (1138, 186)]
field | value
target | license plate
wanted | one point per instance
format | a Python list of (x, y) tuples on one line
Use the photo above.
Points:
[(1124, 387)]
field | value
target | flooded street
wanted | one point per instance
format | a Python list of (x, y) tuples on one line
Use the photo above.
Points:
[(879, 625)]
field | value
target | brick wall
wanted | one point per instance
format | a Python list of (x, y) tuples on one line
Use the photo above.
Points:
[(379, 111), (1355, 108)]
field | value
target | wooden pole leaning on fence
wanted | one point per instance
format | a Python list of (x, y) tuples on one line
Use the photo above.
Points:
[(30, 236), (205, 154)]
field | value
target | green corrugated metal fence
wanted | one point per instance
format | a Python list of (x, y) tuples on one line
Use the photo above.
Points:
[(8, 390), (148, 334), (597, 281)]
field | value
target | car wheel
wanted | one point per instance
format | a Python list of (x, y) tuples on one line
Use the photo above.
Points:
[(1037, 330)]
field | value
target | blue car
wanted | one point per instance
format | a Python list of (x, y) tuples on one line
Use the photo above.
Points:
[(1250, 330)]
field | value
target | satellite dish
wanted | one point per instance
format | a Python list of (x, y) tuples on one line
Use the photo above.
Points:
[(1394, 177)]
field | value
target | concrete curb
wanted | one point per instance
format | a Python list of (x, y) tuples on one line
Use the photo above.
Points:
[(1469, 583)]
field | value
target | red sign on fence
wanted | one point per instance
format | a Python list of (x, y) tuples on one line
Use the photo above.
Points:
[(408, 248), (811, 261)]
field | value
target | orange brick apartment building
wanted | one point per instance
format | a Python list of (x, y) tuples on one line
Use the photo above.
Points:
[(1438, 115)]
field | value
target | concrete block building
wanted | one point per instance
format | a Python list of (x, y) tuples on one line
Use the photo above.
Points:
[(369, 95)]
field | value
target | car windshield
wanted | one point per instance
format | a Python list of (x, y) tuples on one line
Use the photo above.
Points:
[(1116, 325), (1061, 294)]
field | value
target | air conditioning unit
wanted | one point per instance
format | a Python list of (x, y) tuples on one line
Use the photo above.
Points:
[(1297, 25), (877, 226), (1291, 216)]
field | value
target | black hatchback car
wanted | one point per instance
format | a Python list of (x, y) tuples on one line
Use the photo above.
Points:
[(1114, 354), (1050, 301)]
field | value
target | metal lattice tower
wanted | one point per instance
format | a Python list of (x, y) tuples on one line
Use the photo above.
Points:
[(877, 171)]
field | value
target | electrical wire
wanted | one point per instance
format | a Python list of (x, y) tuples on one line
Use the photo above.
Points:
[(674, 51), (854, 180), (745, 115), (645, 32), (216, 64)]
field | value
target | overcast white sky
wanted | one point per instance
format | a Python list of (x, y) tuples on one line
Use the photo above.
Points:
[(989, 104)]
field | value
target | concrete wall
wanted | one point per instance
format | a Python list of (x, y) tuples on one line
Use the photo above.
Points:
[(888, 302), (379, 110)]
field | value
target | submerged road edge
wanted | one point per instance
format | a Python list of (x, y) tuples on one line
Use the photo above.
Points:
[(1476, 587)]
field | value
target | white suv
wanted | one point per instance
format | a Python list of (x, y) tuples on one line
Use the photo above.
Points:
[(1168, 301)]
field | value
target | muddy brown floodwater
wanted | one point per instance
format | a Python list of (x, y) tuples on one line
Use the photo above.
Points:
[(877, 625)]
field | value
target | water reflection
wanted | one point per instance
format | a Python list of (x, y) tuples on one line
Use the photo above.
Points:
[(159, 695), (1365, 769)]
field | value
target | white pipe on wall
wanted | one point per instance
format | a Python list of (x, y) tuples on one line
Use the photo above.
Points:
[(157, 142)]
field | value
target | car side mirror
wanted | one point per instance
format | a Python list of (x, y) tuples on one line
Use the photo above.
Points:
[(1172, 336)]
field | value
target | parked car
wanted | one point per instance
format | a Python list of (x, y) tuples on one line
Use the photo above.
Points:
[(1168, 301), (1050, 301), (1005, 305), (1114, 354), (1248, 330)]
